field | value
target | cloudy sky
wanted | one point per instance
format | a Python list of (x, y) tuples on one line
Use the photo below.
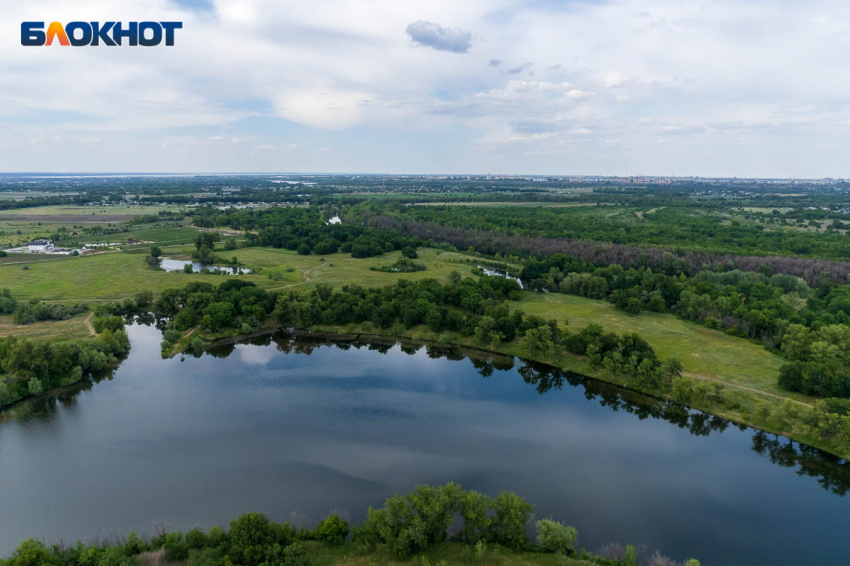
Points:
[(661, 87)]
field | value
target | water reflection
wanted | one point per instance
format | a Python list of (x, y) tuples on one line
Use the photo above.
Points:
[(831, 472), (283, 423), (170, 264)]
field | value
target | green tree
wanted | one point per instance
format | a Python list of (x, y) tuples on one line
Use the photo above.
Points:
[(34, 386), (512, 513), (673, 368), (333, 530)]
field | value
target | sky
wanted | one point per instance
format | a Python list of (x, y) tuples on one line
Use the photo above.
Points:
[(748, 88)]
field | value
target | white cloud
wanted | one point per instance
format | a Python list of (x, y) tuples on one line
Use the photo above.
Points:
[(442, 39), (708, 76)]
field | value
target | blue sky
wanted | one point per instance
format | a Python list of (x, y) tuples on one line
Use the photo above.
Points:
[(661, 87)]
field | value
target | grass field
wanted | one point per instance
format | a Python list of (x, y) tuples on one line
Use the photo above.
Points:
[(341, 269), (94, 213), (115, 276), (108, 276), (71, 329), (21, 225), (701, 350)]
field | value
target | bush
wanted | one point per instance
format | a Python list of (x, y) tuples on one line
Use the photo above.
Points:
[(205, 557), (175, 546), (333, 530), (171, 336), (111, 323), (196, 538), (32, 552), (409, 252), (556, 537)]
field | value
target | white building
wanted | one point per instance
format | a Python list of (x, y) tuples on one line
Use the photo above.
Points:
[(40, 246)]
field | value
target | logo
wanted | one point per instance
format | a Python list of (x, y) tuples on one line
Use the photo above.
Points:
[(78, 34)]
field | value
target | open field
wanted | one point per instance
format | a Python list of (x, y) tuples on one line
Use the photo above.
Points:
[(341, 269), (13, 233), (61, 213), (72, 329), (115, 276), (702, 351), (108, 276)]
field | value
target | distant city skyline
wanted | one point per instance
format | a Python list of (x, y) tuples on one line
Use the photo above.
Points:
[(753, 89)]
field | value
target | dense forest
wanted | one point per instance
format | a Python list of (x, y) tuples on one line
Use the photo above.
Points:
[(304, 230), (502, 242), (674, 226)]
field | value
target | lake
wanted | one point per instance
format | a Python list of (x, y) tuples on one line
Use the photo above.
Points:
[(301, 427), (170, 264)]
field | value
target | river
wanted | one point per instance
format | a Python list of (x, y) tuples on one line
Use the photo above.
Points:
[(299, 427)]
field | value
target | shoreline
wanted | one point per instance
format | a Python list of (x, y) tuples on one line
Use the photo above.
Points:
[(563, 362)]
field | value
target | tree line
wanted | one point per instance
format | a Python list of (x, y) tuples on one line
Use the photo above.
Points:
[(29, 367), (304, 230), (408, 524), (493, 242)]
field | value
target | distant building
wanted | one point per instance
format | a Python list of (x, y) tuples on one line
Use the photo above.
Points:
[(40, 246)]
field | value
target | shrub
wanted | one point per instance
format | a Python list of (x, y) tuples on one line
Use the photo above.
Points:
[(171, 336), (556, 537), (205, 557), (295, 555), (409, 252), (30, 552), (175, 546), (333, 530), (196, 538)]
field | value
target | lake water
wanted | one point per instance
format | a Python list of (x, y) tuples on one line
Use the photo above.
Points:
[(170, 264), (285, 426)]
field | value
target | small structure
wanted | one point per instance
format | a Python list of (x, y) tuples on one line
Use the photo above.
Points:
[(40, 246)]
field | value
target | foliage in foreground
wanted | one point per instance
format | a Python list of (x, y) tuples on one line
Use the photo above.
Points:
[(408, 524)]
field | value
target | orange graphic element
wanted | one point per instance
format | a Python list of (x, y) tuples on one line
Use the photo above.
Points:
[(56, 30)]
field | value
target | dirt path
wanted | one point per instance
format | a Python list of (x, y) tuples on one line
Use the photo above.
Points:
[(88, 324), (744, 387), (306, 278)]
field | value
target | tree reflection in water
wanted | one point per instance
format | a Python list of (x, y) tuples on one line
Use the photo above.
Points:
[(831, 472)]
